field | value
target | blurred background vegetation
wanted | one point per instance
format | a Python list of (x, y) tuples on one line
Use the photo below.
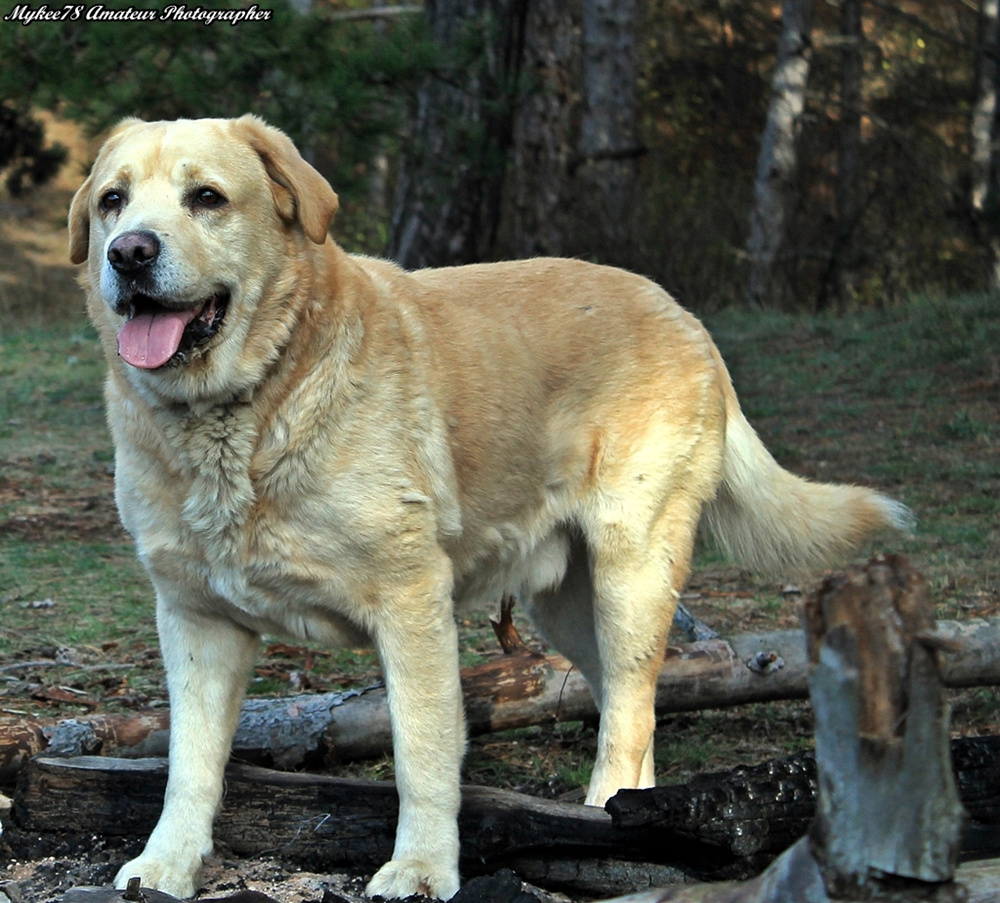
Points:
[(462, 130)]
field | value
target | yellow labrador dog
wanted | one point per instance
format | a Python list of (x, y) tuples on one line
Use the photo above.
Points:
[(320, 444)]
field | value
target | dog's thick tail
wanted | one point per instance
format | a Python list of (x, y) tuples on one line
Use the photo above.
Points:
[(776, 523)]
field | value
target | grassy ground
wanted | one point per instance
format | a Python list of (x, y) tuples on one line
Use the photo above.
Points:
[(904, 400)]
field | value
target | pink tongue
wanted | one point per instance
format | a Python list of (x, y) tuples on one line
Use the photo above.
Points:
[(150, 340)]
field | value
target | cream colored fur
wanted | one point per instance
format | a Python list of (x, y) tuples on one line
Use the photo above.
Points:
[(360, 448)]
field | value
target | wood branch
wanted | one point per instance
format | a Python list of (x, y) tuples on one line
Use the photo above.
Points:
[(515, 691), (506, 633)]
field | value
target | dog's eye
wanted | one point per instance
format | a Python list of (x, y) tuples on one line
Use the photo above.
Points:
[(208, 197), (112, 200)]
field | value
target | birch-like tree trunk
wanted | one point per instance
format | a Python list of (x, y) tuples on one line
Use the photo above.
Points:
[(984, 165), (778, 153)]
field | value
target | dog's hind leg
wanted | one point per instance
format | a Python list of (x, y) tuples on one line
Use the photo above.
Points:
[(637, 576)]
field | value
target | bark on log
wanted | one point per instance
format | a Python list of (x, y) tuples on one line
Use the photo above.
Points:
[(514, 691), (755, 812), (319, 821)]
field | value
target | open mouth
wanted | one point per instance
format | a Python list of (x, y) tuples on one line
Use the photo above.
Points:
[(155, 335)]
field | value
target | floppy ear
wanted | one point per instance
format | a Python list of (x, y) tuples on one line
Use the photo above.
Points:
[(79, 223), (312, 201)]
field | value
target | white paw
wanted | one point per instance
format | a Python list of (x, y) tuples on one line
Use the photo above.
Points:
[(404, 877), (158, 875)]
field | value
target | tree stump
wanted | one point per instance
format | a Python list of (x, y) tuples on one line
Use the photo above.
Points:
[(888, 807), (888, 823)]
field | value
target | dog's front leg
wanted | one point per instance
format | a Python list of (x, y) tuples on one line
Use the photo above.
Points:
[(418, 646), (208, 661)]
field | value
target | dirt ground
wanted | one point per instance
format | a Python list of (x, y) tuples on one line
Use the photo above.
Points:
[(95, 861)]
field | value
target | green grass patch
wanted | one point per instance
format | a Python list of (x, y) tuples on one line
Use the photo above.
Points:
[(72, 594)]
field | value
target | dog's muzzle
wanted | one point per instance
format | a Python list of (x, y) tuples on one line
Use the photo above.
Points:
[(156, 332)]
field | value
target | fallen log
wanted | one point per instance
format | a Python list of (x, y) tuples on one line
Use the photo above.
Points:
[(754, 812), (514, 691), (715, 827), (318, 821)]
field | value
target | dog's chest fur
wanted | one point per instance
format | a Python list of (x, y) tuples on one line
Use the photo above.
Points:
[(290, 545), (230, 522), (216, 448)]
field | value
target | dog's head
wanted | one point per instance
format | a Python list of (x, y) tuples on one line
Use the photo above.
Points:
[(191, 231)]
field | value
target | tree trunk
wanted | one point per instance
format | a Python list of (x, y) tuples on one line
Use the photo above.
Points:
[(983, 139), (838, 282), (606, 162), (778, 153), (536, 221), (527, 147), (450, 184)]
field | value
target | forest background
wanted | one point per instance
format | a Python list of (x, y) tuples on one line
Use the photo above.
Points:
[(798, 155)]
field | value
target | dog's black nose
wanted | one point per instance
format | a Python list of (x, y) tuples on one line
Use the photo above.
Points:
[(133, 252)]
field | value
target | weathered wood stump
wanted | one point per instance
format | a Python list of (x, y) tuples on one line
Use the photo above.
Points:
[(889, 821), (888, 804)]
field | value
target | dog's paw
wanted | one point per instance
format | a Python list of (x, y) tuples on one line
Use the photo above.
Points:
[(401, 878), (157, 874)]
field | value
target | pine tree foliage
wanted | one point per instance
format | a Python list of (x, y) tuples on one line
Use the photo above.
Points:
[(333, 85), (348, 92), (24, 154)]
